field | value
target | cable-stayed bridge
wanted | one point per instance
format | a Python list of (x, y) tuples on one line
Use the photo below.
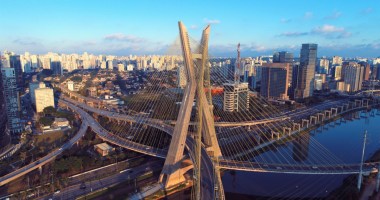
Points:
[(162, 127)]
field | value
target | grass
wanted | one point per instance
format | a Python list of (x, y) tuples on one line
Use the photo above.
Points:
[(49, 138)]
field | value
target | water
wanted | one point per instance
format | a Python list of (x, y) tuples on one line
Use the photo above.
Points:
[(338, 144)]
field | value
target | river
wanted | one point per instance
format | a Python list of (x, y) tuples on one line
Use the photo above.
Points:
[(334, 143)]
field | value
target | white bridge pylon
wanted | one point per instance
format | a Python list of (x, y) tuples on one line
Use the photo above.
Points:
[(198, 76)]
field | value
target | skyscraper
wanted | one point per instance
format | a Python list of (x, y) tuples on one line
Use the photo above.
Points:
[(3, 116), (286, 57), (15, 63), (11, 101), (353, 76), (56, 67), (306, 71), (275, 80)]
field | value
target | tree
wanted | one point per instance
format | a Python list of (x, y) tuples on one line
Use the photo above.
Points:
[(46, 121), (23, 156), (50, 110)]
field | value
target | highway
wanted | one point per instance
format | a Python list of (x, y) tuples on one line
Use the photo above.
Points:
[(74, 191), (207, 164), (42, 161), (298, 169)]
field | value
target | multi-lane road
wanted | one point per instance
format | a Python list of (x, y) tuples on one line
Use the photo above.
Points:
[(77, 190), (42, 161)]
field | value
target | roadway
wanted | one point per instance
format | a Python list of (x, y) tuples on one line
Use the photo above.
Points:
[(75, 191), (42, 161), (298, 169), (207, 164)]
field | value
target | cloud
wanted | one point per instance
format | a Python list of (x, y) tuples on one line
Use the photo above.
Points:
[(193, 27), (285, 20), (211, 21), (308, 15), (123, 37), (331, 32), (334, 15), (89, 43), (327, 29), (366, 11), (25, 42), (293, 34)]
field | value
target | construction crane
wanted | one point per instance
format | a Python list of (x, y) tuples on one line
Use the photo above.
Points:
[(237, 68)]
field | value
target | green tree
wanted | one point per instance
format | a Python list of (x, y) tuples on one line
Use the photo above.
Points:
[(46, 121), (50, 110)]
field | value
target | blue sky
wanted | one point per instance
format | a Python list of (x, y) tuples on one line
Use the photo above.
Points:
[(346, 28)]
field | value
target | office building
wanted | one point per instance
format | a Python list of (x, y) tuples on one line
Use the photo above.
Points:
[(275, 80), (15, 63), (32, 87), (56, 67), (3, 113), (283, 57), (306, 71), (44, 98), (367, 70), (323, 67), (320, 82), (12, 102), (235, 97), (336, 72), (353, 76)]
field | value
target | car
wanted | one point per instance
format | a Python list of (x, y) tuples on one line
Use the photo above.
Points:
[(83, 186), (278, 167), (57, 191), (315, 167)]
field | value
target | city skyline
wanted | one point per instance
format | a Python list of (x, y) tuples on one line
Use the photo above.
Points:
[(132, 27)]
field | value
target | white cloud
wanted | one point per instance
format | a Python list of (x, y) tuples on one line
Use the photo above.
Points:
[(211, 21), (328, 29), (123, 37), (293, 34)]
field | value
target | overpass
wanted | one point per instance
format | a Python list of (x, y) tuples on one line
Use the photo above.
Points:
[(44, 160)]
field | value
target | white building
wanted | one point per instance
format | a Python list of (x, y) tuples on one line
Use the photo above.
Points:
[(236, 97), (32, 87), (44, 98), (70, 85), (130, 67), (120, 67)]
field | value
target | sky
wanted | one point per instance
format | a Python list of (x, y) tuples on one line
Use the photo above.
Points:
[(346, 28)]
